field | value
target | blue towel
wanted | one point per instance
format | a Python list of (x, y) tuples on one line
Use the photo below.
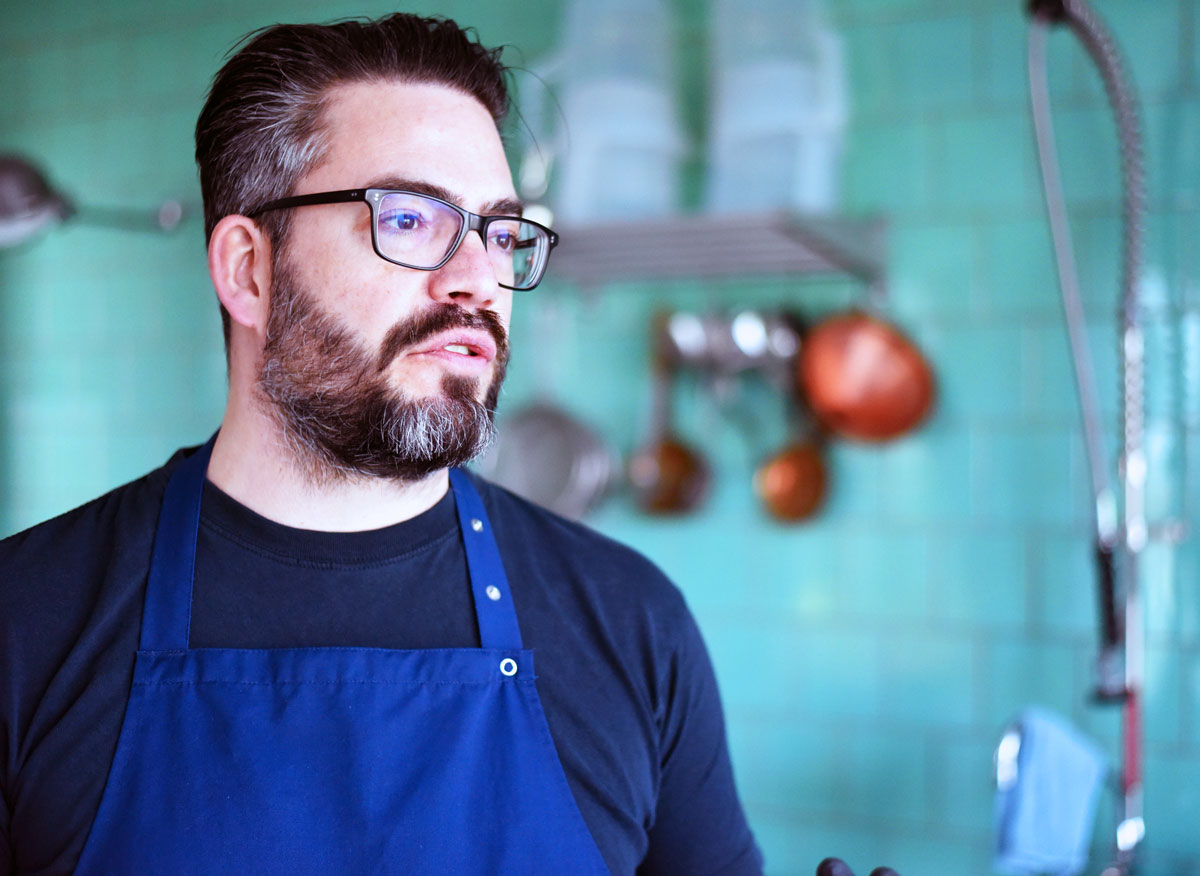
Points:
[(1044, 813)]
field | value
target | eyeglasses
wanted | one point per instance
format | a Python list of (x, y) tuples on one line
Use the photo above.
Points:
[(424, 232)]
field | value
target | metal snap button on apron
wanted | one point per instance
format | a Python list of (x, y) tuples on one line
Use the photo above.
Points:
[(508, 666), (493, 592)]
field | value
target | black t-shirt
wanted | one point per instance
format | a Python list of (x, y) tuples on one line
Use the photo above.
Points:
[(623, 675)]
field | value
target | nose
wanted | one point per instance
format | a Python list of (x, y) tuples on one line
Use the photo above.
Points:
[(468, 279)]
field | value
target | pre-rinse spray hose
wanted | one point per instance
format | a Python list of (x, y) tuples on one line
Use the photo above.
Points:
[(1120, 633)]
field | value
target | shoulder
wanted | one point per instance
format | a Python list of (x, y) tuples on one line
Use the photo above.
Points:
[(91, 526), (70, 607), (51, 574), (516, 516), (574, 559)]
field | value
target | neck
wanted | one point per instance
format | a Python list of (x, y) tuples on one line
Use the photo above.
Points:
[(253, 463)]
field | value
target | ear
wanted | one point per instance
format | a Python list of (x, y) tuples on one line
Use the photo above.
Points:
[(239, 262)]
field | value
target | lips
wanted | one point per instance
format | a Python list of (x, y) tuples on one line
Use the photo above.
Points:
[(475, 346), (460, 339)]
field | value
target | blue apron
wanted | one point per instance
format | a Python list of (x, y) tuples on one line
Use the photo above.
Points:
[(333, 760)]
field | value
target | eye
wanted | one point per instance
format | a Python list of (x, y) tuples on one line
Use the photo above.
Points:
[(503, 239), (401, 220)]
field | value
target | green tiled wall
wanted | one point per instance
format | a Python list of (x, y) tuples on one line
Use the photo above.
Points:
[(870, 659)]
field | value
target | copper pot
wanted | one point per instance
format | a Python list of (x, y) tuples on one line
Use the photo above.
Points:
[(863, 379), (792, 483), (667, 476)]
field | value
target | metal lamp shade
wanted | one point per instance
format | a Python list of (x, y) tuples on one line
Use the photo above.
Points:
[(27, 202)]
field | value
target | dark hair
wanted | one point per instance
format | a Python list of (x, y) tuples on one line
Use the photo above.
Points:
[(260, 129)]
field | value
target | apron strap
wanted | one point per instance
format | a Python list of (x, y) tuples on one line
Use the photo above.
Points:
[(167, 618), (494, 607)]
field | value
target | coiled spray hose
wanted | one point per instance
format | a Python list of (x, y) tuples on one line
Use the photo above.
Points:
[(1120, 667)]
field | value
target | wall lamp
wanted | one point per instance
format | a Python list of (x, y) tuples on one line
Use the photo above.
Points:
[(29, 205)]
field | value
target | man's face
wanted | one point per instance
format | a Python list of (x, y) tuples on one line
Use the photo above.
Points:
[(371, 367)]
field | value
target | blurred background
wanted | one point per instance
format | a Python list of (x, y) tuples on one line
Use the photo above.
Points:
[(870, 656)]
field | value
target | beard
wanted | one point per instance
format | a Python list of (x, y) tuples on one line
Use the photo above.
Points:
[(335, 408)]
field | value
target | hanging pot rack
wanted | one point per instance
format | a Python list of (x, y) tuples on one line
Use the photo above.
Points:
[(714, 245)]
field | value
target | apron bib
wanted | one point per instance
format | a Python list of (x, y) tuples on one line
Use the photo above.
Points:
[(333, 760)]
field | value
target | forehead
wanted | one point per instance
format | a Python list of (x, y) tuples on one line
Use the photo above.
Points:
[(419, 131)]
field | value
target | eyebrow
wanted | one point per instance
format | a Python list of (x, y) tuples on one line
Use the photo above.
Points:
[(499, 207)]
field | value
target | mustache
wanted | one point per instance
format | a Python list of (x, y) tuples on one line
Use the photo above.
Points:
[(420, 326)]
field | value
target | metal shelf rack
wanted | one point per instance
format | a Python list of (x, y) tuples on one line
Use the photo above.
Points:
[(723, 245)]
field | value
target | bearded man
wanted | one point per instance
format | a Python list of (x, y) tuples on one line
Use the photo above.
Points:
[(296, 649)]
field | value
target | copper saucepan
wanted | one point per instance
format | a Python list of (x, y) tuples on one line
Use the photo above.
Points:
[(667, 476), (863, 379), (792, 483)]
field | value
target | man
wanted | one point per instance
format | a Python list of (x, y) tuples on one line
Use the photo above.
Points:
[(334, 627)]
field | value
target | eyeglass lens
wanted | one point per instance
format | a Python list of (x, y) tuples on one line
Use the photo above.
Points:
[(420, 232)]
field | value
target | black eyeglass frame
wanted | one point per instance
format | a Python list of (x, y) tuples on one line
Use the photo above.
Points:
[(373, 197)]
